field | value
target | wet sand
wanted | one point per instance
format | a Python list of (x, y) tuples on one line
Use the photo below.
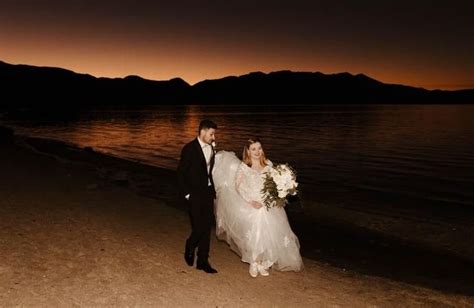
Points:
[(79, 228)]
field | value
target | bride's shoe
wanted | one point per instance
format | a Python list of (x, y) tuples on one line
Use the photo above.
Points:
[(262, 270), (253, 270)]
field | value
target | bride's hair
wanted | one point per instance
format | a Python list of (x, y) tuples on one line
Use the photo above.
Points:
[(246, 155)]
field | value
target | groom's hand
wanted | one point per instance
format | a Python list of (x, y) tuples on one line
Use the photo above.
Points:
[(256, 204)]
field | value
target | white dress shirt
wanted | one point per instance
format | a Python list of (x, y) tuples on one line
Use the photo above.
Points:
[(207, 150)]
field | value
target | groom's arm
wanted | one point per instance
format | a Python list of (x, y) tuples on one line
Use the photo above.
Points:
[(183, 172)]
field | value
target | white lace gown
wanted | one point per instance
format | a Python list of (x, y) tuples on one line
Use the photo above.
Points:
[(257, 235)]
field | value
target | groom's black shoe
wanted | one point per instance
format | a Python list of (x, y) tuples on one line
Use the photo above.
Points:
[(205, 266), (189, 256)]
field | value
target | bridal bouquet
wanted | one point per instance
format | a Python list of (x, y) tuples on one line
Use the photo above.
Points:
[(278, 184)]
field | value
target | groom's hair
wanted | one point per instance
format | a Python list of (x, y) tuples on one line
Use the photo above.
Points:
[(206, 124)]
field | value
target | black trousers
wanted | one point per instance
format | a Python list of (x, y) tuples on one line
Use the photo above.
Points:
[(201, 213)]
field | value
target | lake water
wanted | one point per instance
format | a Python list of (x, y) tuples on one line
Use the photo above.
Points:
[(396, 157)]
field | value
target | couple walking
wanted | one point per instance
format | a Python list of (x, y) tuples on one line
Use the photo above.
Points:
[(261, 237)]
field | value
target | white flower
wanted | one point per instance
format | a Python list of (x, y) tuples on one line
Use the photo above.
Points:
[(284, 183), (281, 194)]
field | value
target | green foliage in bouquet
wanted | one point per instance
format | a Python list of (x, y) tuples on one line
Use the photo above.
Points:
[(278, 183), (270, 193)]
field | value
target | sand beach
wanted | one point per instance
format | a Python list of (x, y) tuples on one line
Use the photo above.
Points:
[(78, 228)]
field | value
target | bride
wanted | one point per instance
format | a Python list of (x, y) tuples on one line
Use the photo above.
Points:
[(262, 237)]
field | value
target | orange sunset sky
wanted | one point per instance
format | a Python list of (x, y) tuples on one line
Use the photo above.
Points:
[(424, 44)]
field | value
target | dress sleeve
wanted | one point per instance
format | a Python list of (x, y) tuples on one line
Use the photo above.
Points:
[(239, 182)]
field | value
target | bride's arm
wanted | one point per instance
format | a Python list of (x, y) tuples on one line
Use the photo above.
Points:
[(239, 179), (240, 188)]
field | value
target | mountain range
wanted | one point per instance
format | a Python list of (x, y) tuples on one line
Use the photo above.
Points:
[(32, 86)]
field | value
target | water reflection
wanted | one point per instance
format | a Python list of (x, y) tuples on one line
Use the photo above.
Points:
[(420, 152)]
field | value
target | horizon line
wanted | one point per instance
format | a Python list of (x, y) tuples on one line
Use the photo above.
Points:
[(430, 87)]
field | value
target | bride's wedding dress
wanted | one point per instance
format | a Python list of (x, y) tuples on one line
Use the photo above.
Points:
[(260, 236)]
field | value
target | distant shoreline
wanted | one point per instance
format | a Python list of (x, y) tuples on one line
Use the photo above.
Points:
[(51, 87)]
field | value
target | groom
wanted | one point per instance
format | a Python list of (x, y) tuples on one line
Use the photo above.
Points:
[(197, 189)]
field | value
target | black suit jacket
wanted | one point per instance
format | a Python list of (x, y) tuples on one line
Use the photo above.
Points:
[(192, 170)]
